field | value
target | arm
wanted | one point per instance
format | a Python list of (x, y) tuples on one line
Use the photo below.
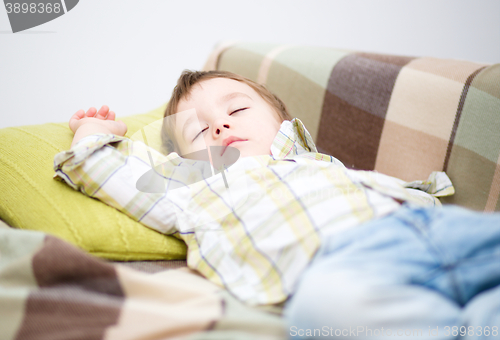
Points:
[(105, 165)]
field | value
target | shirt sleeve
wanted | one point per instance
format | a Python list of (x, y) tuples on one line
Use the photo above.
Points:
[(419, 192), (438, 185), (131, 177)]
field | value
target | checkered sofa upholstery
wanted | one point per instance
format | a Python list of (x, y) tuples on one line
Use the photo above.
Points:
[(399, 115)]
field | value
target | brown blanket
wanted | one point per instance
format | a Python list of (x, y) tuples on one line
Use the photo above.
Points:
[(51, 290)]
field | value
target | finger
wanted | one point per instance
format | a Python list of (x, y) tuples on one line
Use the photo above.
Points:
[(78, 114), (124, 127), (75, 118), (103, 112), (91, 112), (111, 115)]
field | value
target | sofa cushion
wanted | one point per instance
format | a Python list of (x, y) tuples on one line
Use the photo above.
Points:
[(402, 116), (32, 199)]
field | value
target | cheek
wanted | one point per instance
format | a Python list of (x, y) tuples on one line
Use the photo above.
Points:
[(198, 144), (263, 133), (186, 148), (273, 130)]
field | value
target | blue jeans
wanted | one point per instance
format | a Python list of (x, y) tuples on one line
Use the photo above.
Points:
[(419, 273)]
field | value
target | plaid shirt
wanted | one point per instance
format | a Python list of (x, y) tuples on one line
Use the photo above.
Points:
[(253, 230)]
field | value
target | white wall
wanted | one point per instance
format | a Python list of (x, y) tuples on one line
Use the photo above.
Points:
[(128, 54)]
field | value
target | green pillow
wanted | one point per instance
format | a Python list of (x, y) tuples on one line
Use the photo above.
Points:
[(31, 199)]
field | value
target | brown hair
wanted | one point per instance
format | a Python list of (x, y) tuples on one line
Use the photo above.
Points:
[(190, 78)]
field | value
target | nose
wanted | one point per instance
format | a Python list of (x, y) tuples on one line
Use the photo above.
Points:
[(220, 125)]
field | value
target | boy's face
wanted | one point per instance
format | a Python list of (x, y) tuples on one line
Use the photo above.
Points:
[(226, 113)]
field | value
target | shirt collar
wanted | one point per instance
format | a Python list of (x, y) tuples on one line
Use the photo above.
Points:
[(292, 140)]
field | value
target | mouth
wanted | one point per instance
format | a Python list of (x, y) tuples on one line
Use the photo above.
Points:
[(230, 140)]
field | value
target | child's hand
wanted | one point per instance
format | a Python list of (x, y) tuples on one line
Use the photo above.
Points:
[(103, 117), (87, 123)]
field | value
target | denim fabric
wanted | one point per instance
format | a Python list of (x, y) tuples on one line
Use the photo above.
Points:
[(419, 273)]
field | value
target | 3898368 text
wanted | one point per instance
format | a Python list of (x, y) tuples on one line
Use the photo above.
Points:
[(33, 7), (471, 331)]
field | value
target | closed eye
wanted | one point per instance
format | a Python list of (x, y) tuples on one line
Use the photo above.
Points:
[(199, 133), (244, 108)]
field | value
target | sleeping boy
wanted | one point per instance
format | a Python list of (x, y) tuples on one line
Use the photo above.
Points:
[(350, 253)]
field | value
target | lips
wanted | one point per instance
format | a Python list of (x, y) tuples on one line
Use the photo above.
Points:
[(228, 141)]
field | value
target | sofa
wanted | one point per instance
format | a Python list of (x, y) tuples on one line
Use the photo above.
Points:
[(72, 267)]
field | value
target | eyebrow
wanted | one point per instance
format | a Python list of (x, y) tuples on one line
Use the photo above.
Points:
[(232, 95), (225, 98)]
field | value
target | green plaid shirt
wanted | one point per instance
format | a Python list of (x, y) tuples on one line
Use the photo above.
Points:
[(253, 230)]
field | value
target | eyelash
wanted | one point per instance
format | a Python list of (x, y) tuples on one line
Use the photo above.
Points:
[(199, 133)]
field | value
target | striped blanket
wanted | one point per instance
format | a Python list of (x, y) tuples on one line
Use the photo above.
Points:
[(50, 289), (402, 116)]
